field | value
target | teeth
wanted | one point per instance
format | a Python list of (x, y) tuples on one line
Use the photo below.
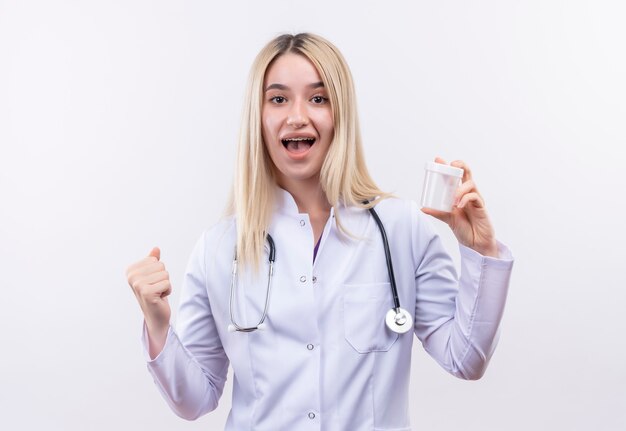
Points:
[(299, 139)]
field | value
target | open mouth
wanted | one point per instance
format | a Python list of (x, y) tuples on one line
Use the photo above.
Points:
[(298, 145)]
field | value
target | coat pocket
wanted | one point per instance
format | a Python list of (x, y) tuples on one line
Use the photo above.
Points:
[(364, 310)]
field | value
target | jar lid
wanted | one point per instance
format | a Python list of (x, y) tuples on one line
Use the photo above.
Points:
[(444, 169)]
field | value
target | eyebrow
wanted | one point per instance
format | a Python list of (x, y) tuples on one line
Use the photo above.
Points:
[(284, 87)]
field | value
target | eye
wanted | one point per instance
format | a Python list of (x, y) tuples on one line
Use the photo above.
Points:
[(318, 100), (278, 99)]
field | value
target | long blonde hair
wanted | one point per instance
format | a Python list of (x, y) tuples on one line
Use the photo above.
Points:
[(343, 177)]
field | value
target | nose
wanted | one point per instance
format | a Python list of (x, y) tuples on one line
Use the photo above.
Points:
[(297, 116)]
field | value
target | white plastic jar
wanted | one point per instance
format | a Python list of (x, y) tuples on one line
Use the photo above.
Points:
[(440, 185)]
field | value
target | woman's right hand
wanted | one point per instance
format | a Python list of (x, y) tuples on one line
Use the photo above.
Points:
[(151, 284)]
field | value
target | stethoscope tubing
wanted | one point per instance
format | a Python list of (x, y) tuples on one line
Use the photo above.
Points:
[(233, 284), (392, 278), (397, 319)]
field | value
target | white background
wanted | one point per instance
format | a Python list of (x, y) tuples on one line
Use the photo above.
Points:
[(118, 122)]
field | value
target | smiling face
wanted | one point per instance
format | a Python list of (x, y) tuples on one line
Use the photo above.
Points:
[(297, 119)]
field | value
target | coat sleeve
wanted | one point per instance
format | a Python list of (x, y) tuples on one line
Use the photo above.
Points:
[(457, 319), (190, 371)]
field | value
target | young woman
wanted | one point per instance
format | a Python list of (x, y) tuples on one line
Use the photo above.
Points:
[(306, 315)]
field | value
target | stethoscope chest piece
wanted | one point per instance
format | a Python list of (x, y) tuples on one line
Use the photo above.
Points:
[(399, 320)]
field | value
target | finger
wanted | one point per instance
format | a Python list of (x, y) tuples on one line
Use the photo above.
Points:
[(148, 260), (440, 160), (156, 277), (155, 252), (474, 198), (149, 268), (441, 215), (138, 273), (150, 291), (467, 173), (164, 288), (464, 188)]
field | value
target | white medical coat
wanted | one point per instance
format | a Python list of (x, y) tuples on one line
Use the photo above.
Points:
[(327, 361)]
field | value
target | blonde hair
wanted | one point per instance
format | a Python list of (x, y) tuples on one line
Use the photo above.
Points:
[(344, 177)]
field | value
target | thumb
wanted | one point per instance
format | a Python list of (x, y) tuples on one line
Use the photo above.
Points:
[(155, 252), (441, 215)]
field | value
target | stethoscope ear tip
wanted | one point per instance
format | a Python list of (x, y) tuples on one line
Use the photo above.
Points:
[(231, 328), (261, 327)]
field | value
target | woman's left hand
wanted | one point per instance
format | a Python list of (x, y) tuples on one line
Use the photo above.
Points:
[(468, 220)]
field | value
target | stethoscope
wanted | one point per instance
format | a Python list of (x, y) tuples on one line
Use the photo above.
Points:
[(397, 319)]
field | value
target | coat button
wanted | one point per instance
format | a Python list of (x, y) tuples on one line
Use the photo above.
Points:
[(314, 279), (302, 222), (302, 279), (310, 346), (311, 415)]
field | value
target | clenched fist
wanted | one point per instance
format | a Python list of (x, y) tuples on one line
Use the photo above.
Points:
[(151, 284)]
